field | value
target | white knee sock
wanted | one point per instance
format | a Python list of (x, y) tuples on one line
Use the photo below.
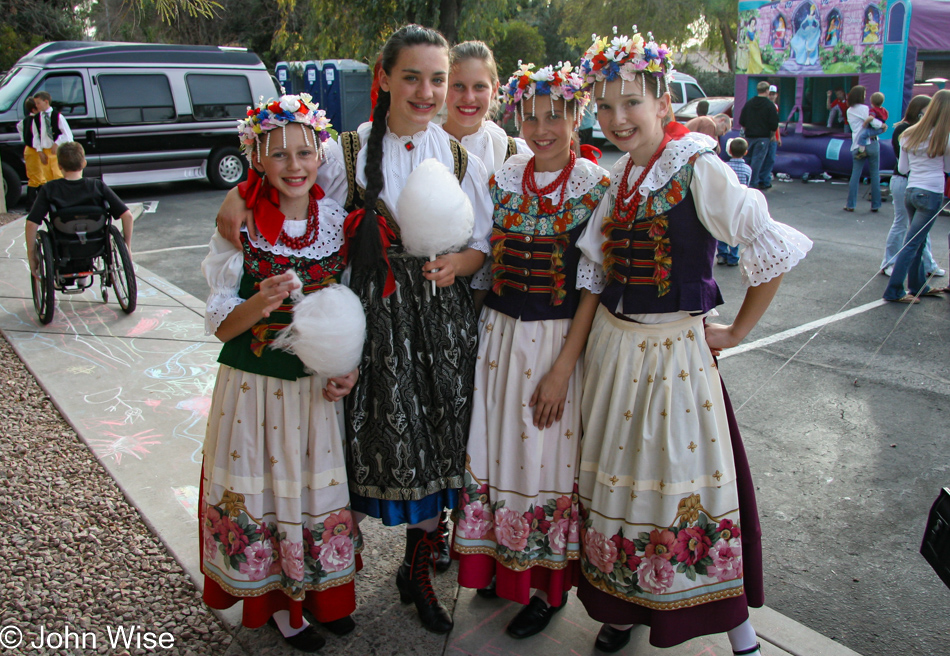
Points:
[(542, 595), (282, 618), (743, 637), (622, 627)]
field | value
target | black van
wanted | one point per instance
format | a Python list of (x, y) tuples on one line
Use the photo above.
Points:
[(144, 113)]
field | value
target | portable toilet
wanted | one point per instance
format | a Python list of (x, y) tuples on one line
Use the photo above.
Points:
[(344, 92), (282, 71), (311, 81)]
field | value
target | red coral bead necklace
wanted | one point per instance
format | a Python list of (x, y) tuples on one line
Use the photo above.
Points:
[(628, 197), (308, 237), (529, 184)]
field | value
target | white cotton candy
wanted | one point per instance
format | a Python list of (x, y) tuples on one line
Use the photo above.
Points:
[(327, 332), (434, 214)]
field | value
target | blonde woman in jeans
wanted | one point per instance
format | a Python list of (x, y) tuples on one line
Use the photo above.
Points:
[(925, 159), (898, 187)]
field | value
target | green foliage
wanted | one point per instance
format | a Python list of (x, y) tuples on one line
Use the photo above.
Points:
[(170, 10), (840, 59), (28, 23), (871, 60), (714, 83), (519, 41), (14, 45), (772, 58)]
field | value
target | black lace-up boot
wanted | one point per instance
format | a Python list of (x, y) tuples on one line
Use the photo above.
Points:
[(414, 581)]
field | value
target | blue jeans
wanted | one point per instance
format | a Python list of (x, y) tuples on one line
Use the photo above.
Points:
[(731, 253), (758, 150), (765, 175), (857, 168), (895, 238), (922, 207), (864, 136)]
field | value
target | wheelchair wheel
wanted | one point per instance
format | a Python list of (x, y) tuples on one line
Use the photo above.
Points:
[(44, 294), (121, 273)]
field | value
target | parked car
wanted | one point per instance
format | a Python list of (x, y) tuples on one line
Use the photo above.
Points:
[(717, 105), (683, 89), (144, 113)]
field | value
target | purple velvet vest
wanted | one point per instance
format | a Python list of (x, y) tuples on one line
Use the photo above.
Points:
[(534, 255), (663, 261)]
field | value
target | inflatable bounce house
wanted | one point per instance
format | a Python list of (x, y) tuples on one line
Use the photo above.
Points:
[(814, 51)]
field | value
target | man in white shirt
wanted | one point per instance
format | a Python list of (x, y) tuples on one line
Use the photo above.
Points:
[(49, 130)]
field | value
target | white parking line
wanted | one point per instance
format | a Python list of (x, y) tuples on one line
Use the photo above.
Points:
[(173, 248), (792, 332)]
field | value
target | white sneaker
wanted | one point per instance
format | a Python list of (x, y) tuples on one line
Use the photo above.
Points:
[(938, 273), (888, 270)]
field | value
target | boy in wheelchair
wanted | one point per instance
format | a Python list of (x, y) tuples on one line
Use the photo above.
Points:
[(56, 197)]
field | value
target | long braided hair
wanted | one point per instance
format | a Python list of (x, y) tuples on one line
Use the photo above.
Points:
[(367, 248)]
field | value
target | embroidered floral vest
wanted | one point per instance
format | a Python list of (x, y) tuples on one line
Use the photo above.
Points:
[(662, 262), (534, 257), (250, 350)]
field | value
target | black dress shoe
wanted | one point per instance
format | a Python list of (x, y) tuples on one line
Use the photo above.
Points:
[(308, 640), (533, 618), (610, 639), (341, 626), (488, 592)]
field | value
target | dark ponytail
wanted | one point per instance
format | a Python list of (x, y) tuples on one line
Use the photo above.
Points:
[(367, 247)]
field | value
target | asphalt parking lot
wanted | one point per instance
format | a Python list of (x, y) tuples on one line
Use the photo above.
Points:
[(841, 400)]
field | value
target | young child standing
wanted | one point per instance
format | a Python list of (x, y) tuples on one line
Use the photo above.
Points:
[(277, 531), (726, 254), (50, 130), (869, 131), (670, 533), (518, 518), (31, 159)]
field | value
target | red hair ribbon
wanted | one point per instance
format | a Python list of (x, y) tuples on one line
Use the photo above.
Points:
[(261, 198), (591, 152), (386, 236)]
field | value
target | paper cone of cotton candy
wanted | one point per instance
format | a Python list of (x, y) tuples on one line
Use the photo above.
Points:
[(434, 214), (327, 332)]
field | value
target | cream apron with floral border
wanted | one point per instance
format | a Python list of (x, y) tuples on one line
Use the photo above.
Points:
[(657, 479)]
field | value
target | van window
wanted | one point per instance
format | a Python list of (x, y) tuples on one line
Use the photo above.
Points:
[(13, 84), (219, 96), (69, 96), (137, 98), (693, 92)]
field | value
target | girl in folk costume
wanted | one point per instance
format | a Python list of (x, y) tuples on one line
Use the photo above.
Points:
[(277, 531), (670, 533), (518, 520), (408, 416), (471, 95)]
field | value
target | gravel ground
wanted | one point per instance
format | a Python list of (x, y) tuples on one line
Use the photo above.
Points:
[(74, 551)]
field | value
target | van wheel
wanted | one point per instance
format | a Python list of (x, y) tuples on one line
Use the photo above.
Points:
[(226, 167), (12, 186)]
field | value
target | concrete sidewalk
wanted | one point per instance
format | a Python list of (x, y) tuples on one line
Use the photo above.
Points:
[(137, 389)]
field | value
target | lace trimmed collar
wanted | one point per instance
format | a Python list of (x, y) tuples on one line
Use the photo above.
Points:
[(675, 156), (585, 176)]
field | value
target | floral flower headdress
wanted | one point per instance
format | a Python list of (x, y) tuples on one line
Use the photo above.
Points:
[(627, 57), (278, 114), (561, 82)]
